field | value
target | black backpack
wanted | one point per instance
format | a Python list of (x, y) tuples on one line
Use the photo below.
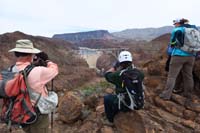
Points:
[(133, 98)]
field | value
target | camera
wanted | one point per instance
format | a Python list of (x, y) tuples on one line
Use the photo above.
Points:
[(40, 59)]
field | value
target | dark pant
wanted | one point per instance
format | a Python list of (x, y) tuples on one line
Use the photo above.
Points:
[(167, 63), (111, 106)]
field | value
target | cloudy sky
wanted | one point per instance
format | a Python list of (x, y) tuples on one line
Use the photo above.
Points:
[(48, 17)]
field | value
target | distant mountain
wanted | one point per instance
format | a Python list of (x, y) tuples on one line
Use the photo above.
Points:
[(144, 33), (81, 36)]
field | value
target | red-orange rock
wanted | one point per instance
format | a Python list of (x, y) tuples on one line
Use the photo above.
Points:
[(69, 108)]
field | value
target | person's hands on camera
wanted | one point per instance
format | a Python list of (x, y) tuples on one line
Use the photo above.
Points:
[(116, 65), (43, 56), (40, 59)]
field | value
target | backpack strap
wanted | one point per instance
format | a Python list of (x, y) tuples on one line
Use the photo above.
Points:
[(26, 72), (28, 69), (12, 68)]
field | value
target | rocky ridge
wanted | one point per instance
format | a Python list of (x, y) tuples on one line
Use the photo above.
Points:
[(81, 36), (81, 109), (69, 65)]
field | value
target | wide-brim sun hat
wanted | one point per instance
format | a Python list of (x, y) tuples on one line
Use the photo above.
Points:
[(25, 46)]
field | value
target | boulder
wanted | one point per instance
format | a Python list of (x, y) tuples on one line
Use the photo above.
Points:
[(105, 61), (70, 108), (130, 122)]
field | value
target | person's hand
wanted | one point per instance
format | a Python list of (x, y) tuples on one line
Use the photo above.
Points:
[(40, 59), (43, 56), (116, 65)]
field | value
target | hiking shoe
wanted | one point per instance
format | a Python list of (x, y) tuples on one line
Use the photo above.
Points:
[(108, 123), (178, 91)]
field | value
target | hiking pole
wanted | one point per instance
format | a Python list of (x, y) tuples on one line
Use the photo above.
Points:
[(52, 111)]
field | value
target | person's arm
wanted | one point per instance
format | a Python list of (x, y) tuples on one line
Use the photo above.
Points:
[(177, 38), (172, 38), (49, 72), (112, 75)]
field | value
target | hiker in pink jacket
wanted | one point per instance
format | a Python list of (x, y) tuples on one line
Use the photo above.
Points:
[(37, 79)]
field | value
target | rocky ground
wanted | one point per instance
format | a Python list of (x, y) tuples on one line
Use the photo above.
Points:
[(81, 107), (85, 113)]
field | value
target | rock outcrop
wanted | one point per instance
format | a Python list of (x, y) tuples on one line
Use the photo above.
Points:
[(80, 36), (105, 61)]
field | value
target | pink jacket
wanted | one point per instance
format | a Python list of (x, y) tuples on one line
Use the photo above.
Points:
[(39, 76)]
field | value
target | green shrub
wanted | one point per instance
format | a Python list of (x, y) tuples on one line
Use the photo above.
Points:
[(95, 89)]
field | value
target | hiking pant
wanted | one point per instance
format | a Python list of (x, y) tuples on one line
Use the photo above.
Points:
[(40, 126), (111, 106), (177, 64), (167, 63)]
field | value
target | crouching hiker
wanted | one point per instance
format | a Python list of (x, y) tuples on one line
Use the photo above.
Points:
[(36, 77), (129, 89)]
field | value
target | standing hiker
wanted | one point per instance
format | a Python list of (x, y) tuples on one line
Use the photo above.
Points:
[(122, 75), (38, 77), (181, 60)]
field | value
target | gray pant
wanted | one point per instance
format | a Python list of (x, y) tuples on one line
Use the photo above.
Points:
[(177, 64)]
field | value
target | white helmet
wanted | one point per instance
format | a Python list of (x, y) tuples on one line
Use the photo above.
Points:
[(125, 56)]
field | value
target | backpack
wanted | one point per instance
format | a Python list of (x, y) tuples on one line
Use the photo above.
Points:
[(133, 98), (191, 40), (14, 89)]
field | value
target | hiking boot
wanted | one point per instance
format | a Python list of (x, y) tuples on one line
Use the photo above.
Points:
[(108, 123), (177, 91)]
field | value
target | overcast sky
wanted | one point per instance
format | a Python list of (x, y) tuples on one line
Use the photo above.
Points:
[(48, 17)]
